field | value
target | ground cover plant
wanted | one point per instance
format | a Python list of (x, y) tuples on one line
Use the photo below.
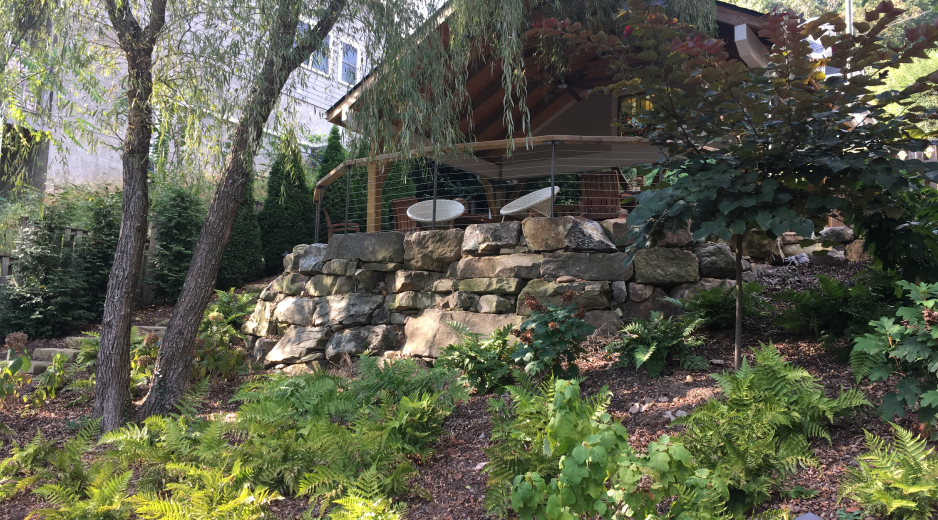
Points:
[(904, 345), (347, 443), (758, 434), (653, 342)]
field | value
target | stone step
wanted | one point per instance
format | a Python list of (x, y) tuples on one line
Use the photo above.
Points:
[(145, 330), (47, 354), (39, 367), (74, 342)]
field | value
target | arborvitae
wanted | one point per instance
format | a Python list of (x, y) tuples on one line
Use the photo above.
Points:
[(243, 260), (334, 197), (288, 217), (178, 214), (98, 250)]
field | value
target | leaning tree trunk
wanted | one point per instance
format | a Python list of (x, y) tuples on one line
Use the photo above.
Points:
[(112, 375), (737, 355), (173, 368)]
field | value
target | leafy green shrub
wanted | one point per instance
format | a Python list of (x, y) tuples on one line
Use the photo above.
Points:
[(596, 472), (717, 306), (835, 310), (288, 217), (51, 380), (653, 342), (214, 353), (486, 364), (97, 251), (177, 216), (243, 259), (45, 296), (758, 434), (895, 481), (908, 348), (552, 336), (234, 307), (13, 375)]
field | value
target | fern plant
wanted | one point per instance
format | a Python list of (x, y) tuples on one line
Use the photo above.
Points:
[(895, 481), (906, 345), (717, 306), (759, 433), (652, 343), (486, 364)]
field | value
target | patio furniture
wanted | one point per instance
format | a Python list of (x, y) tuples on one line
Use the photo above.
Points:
[(538, 201), (600, 195), (446, 211), (402, 222), (340, 227)]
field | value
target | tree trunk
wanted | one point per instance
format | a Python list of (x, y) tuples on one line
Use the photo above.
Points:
[(173, 368), (112, 375), (737, 356)]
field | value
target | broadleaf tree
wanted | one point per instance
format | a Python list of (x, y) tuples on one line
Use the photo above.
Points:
[(776, 148)]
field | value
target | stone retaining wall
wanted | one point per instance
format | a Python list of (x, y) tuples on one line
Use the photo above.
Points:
[(390, 292)]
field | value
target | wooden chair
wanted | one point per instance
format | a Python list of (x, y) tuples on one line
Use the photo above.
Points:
[(402, 222), (340, 227), (600, 195)]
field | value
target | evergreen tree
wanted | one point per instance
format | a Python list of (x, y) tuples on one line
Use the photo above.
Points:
[(288, 217), (333, 199), (177, 215), (243, 259), (97, 253)]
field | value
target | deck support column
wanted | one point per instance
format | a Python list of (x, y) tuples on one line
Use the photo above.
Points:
[(377, 173)]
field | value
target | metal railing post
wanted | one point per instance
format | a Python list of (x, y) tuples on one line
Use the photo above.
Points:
[(433, 218), (553, 151), (318, 211)]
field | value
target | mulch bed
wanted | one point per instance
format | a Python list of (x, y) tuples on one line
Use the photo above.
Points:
[(452, 480)]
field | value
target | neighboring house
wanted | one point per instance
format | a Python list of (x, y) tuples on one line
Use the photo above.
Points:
[(328, 75)]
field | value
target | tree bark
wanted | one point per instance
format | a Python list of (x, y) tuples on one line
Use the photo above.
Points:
[(112, 374), (737, 356), (172, 372)]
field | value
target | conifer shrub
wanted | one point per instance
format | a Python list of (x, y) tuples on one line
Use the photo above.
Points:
[(177, 216), (288, 217), (333, 200), (97, 251), (243, 259), (45, 297)]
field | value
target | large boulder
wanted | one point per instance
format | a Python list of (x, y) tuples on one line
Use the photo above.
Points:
[(680, 238), (587, 295), (356, 341), (665, 267), (656, 302), (605, 323), (790, 250), (841, 234), (460, 300), (309, 260), (428, 333), (383, 247), (567, 233), (400, 281), (491, 285), (289, 284), (295, 311), (586, 266), (688, 290), (494, 304), (832, 258), (297, 343), (519, 265), (261, 321), (410, 300), (716, 261), (369, 280), (489, 239), (756, 244), (346, 309), (327, 285), (616, 230), (854, 252), (432, 250)]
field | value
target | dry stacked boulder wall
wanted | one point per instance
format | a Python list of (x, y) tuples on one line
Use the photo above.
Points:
[(381, 292)]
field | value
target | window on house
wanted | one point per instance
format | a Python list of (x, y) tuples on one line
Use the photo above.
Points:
[(320, 59), (349, 64), (628, 107)]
